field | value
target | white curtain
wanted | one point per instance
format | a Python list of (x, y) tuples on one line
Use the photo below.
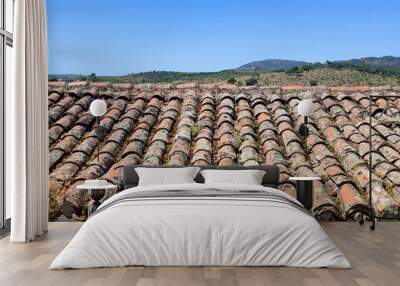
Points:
[(26, 120)]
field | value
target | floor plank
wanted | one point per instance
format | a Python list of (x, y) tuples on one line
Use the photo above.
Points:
[(375, 257)]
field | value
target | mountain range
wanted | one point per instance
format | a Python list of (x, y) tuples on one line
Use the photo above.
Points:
[(271, 65), (278, 64)]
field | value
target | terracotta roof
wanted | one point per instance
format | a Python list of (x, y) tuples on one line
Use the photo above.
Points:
[(155, 124)]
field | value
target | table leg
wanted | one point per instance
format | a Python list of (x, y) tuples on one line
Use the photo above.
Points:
[(305, 193), (93, 207), (96, 195)]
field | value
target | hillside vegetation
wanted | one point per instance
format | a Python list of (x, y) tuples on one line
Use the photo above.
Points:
[(271, 65), (365, 71), (328, 76), (388, 61)]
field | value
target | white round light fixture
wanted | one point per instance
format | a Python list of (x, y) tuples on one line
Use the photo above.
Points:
[(98, 107), (305, 107)]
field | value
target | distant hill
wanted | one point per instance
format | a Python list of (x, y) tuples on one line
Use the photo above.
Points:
[(279, 65), (272, 65), (386, 61)]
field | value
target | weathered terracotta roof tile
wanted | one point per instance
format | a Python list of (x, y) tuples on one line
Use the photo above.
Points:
[(99, 84), (59, 108), (55, 133), (251, 126), (293, 87), (201, 158), (125, 86), (54, 97), (383, 168), (156, 149), (85, 120), (206, 86), (134, 147), (227, 87), (188, 85), (77, 83), (57, 83), (349, 88), (389, 152)]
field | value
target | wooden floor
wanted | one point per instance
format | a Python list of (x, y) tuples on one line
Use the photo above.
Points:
[(375, 257)]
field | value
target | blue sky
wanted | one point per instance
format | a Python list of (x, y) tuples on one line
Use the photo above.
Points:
[(119, 37)]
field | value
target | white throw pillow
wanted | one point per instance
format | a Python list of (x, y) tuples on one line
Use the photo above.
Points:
[(247, 177), (166, 176)]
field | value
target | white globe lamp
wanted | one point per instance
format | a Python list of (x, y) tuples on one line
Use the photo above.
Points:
[(98, 107), (305, 107)]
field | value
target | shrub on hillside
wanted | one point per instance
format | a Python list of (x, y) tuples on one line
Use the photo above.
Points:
[(92, 77), (232, 80), (251, 81)]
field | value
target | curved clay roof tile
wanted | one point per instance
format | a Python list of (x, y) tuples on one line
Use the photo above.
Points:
[(243, 113), (288, 136), (389, 153), (248, 131), (259, 109), (206, 114), (55, 156), (271, 144), (240, 97), (224, 118), (226, 139), (156, 149), (54, 97), (245, 121), (393, 175), (185, 121), (201, 158), (206, 133), (123, 86), (140, 135), (258, 102), (349, 198), (134, 147), (261, 117), (225, 127), (394, 139), (66, 144), (184, 133), (152, 161), (203, 144), (161, 135), (275, 157), (385, 169), (177, 159), (205, 122), (226, 162), (77, 83)]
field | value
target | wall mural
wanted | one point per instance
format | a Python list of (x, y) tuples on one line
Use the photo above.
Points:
[(222, 124)]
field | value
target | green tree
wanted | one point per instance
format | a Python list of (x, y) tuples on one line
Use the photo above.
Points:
[(92, 77), (251, 81), (232, 80), (313, 82), (293, 70)]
